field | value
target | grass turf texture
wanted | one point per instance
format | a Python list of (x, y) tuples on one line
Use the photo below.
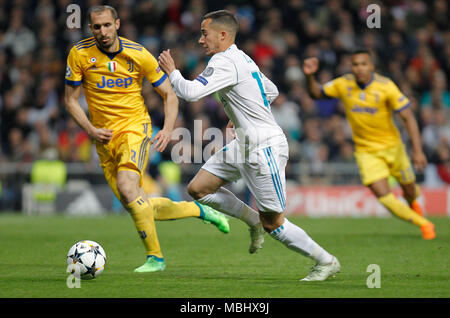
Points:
[(202, 262)]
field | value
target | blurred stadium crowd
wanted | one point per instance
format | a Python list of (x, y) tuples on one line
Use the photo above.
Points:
[(412, 47)]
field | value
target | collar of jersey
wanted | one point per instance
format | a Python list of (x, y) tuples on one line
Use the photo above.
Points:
[(363, 86), (113, 54)]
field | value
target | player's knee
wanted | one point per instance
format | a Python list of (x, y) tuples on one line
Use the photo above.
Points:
[(270, 221), (195, 191), (126, 190)]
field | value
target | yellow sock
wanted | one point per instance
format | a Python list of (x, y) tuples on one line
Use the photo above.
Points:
[(401, 210), (165, 209), (142, 213)]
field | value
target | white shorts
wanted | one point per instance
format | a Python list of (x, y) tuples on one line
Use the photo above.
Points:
[(262, 171)]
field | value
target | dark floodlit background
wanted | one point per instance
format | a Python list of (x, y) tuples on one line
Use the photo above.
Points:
[(412, 47)]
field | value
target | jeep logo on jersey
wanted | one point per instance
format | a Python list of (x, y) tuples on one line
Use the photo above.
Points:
[(118, 82), (112, 66)]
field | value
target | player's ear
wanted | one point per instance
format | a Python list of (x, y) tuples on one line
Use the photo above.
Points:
[(223, 35), (117, 24)]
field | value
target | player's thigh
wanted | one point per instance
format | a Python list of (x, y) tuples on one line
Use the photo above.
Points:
[(264, 176), (127, 153), (220, 169), (109, 166), (372, 167), (380, 188), (128, 185), (132, 151), (204, 183), (401, 168)]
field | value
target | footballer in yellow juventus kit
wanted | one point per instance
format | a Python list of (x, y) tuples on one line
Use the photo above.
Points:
[(111, 70), (370, 101)]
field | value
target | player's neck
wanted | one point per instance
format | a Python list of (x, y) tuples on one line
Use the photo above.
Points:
[(226, 46), (366, 82), (113, 48)]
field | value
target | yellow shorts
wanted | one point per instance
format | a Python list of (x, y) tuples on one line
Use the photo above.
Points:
[(127, 150), (377, 165)]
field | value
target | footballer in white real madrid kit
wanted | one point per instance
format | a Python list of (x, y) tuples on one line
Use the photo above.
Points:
[(259, 153)]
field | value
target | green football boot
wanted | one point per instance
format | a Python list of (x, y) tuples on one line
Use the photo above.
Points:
[(209, 215), (153, 264)]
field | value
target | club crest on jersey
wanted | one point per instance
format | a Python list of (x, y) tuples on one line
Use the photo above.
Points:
[(112, 66), (93, 60)]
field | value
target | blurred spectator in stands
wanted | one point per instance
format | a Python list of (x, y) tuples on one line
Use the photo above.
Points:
[(74, 145), (412, 47), (46, 103), (18, 38), (264, 48), (311, 140), (438, 96), (43, 141), (20, 148), (443, 162), (437, 131), (424, 64), (346, 151), (286, 115)]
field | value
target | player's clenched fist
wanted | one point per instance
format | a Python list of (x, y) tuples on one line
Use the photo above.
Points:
[(166, 62), (310, 65)]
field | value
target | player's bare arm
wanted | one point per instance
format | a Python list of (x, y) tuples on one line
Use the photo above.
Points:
[(310, 67), (162, 138), (418, 157), (72, 93)]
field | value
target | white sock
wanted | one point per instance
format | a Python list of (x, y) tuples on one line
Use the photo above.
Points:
[(226, 202), (296, 239)]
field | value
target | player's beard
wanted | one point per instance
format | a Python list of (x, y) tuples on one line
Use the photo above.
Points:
[(108, 44)]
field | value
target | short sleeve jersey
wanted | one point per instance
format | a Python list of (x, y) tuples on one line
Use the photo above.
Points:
[(112, 82), (369, 109)]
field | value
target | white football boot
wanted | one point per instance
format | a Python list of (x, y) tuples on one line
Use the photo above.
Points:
[(257, 238), (321, 272)]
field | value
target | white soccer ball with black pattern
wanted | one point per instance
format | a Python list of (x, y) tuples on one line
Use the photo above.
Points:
[(86, 259)]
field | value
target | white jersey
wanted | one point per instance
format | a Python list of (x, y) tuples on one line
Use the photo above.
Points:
[(244, 91)]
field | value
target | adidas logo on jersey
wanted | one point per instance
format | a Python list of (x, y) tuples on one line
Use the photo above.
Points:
[(118, 82)]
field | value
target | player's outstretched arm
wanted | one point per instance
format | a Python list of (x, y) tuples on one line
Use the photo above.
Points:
[(218, 74), (310, 67), (71, 95), (162, 138), (418, 157)]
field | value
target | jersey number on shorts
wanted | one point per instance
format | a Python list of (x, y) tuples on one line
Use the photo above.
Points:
[(257, 76)]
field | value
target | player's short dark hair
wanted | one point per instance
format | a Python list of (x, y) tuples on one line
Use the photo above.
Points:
[(101, 8), (225, 18), (361, 51)]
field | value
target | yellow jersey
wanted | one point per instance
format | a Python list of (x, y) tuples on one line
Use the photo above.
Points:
[(112, 82), (369, 109)]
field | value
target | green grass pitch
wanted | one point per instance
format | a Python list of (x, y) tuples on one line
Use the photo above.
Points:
[(204, 263)]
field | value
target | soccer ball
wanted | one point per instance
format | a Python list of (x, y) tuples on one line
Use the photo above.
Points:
[(86, 259)]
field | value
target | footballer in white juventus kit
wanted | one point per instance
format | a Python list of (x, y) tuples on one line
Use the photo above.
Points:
[(259, 153)]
